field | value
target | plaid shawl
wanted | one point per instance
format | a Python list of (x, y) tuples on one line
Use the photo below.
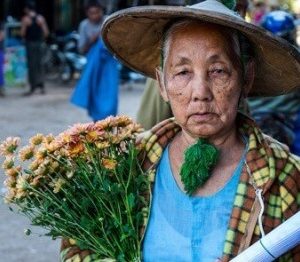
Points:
[(272, 168)]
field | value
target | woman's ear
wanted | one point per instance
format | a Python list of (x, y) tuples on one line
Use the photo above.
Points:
[(161, 84), (249, 77)]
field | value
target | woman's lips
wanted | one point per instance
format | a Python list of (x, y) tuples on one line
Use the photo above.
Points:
[(202, 117)]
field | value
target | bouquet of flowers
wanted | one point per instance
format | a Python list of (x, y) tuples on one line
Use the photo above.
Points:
[(85, 184)]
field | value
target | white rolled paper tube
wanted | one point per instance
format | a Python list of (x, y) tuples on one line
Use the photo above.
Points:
[(274, 244)]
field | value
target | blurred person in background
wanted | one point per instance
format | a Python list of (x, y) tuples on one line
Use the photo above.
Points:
[(34, 30), (89, 28), (2, 94), (276, 115), (258, 12), (97, 89), (242, 7), (153, 109)]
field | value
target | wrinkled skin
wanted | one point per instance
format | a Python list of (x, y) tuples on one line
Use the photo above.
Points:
[(202, 81)]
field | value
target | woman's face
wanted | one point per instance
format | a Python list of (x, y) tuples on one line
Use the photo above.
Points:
[(201, 81)]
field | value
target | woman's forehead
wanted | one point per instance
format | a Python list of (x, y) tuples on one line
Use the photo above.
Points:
[(199, 38), (201, 31)]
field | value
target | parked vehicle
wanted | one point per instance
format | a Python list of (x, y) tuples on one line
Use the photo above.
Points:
[(62, 60)]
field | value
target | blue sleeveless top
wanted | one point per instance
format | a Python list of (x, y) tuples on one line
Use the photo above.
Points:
[(183, 228)]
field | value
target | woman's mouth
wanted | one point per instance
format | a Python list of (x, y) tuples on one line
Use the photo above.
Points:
[(202, 117)]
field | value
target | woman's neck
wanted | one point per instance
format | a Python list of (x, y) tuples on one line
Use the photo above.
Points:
[(226, 143)]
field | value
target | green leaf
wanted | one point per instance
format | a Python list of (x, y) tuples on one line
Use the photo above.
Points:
[(131, 200), (29, 172), (85, 222), (121, 258)]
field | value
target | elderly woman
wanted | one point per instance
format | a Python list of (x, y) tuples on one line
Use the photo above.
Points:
[(153, 109), (215, 171)]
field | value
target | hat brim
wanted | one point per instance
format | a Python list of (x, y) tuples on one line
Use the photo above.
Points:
[(134, 36)]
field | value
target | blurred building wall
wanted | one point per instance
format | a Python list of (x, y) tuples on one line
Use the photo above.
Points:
[(61, 15)]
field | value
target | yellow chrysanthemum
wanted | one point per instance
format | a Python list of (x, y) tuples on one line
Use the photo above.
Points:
[(65, 138), (13, 172), (93, 135), (22, 182), (120, 121), (10, 195), (41, 153), (8, 163), (9, 146), (64, 152), (102, 144), (41, 170), (54, 165), (20, 193), (131, 130), (57, 185), (10, 182), (104, 123), (26, 153), (124, 134), (34, 164), (109, 163), (52, 146), (36, 180), (48, 139), (47, 161), (37, 139)]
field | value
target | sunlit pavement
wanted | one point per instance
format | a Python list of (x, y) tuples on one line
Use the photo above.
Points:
[(24, 117)]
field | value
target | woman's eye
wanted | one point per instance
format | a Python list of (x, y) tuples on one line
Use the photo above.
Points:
[(183, 72), (218, 72)]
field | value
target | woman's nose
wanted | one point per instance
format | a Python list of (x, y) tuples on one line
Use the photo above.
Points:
[(201, 90)]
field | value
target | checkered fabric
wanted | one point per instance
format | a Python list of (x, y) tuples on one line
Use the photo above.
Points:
[(272, 168)]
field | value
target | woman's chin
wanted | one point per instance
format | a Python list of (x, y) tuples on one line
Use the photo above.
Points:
[(204, 131)]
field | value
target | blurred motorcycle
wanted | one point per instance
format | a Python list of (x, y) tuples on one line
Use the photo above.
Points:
[(62, 62)]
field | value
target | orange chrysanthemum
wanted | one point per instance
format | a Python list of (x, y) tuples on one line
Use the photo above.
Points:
[(109, 163), (13, 172), (76, 149)]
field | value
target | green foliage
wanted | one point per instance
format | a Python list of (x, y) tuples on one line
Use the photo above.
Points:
[(229, 3), (199, 159)]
